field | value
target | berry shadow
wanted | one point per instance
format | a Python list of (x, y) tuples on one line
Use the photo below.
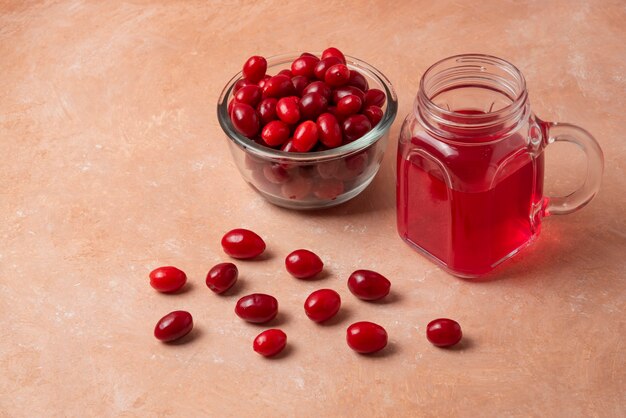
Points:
[(343, 315), (392, 297), (238, 288), (194, 334), (287, 351), (391, 349), (466, 343), (188, 287), (281, 319)]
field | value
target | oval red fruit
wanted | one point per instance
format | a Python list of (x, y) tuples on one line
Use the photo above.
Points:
[(257, 308), (366, 337), (173, 326), (322, 305), (242, 243), (270, 342), (368, 285), (167, 279), (222, 277), (443, 332), (303, 264)]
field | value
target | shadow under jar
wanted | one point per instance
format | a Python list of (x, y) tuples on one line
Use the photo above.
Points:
[(311, 180), (471, 166)]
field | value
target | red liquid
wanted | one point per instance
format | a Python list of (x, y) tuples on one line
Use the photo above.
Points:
[(489, 212)]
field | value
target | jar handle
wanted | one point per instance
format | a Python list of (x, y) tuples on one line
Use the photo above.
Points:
[(565, 132)]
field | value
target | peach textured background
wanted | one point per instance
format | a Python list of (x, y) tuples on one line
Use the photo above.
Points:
[(113, 163)]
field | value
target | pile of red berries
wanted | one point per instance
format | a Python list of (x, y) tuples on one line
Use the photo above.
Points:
[(321, 305), (317, 104)]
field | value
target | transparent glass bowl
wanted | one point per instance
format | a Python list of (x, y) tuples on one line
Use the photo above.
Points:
[(317, 179)]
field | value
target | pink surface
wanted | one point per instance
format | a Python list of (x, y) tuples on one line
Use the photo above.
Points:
[(113, 164)]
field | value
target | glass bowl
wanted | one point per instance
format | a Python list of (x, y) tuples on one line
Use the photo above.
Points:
[(315, 179)]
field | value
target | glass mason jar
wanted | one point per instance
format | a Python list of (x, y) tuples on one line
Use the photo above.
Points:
[(471, 166)]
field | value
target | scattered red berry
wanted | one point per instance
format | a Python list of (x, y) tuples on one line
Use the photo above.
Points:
[(368, 285), (322, 305), (173, 326), (303, 264), (257, 308), (222, 277), (443, 332), (366, 337), (167, 279), (242, 243), (270, 342)]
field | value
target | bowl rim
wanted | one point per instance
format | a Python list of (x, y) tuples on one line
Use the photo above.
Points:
[(263, 152)]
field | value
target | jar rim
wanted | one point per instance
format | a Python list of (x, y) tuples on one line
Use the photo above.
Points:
[(360, 144), (490, 124)]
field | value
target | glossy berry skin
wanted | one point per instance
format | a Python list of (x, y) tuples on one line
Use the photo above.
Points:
[(286, 72), (318, 87), (173, 326), (374, 114), (257, 308), (245, 119), (267, 110), (348, 105), (270, 342), (242, 243), (358, 80), (312, 105), (275, 133), (242, 83), (305, 136), (443, 332), (254, 69), (250, 95), (288, 110), (299, 83), (334, 52), (366, 337), (288, 146), (322, 305), (368, 285), (322, 66), (343, 91), (304, 66), (337, 75), (263, 81), (355, 126), (167, 279), (222, 277), (303, 264), (278, 86), (329, 130), (374, 97)]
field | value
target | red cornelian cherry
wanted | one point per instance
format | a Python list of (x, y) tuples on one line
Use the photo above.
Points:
[(349, 105), (358, 80), (242, 243), (257, 308), (374, 114), (286, 72), (343, 91), (267, 110), (329, 130), (242, 83), (334, 52), (304, 66), (318, 87), (443, 332), (278, 86), (337, 75), (322, 66), (368, 285), (249, 95), (355, 126), (374, 97), (167, 279), (305, 136), (254, 69), (245, 119), (275, 133), (270, 342), (173, 326), (366, 337), (299, 83), (312, 105), (322, 305), (263, 81), (287, 110), (222, 277), (288, 146), (303, 264)]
